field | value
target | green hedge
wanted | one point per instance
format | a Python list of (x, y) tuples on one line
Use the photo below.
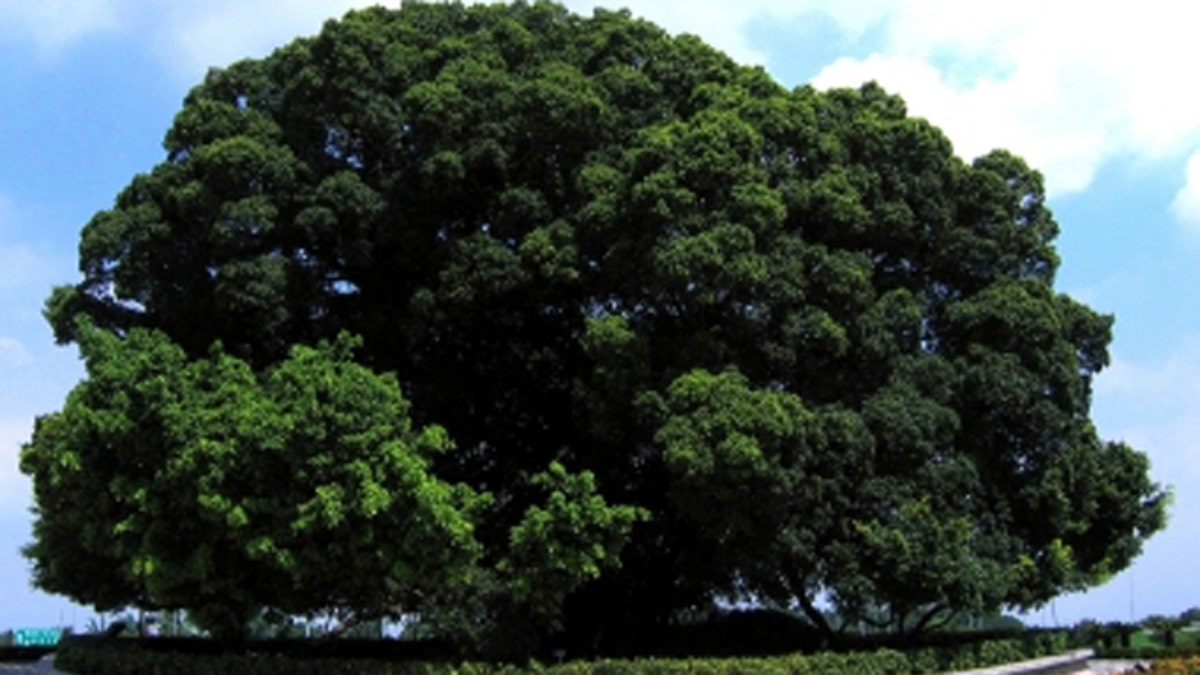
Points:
[(11, 653), (128, 657), (1148, 652)]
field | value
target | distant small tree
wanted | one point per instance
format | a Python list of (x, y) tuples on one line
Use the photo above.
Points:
[(1164, 626), (1120, 631), (1087, 632)]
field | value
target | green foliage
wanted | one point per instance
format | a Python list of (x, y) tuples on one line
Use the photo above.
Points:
[(796, 346), (571, 540), (202, 486)]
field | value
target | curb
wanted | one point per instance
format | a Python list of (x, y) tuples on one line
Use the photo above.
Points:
[(1062, 663)]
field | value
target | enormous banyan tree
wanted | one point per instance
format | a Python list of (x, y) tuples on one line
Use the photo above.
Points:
[(635, 330)]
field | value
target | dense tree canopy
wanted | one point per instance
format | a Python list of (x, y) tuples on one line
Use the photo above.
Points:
[(817, 357)]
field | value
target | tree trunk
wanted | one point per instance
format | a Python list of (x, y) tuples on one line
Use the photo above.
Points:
[(831, 637)]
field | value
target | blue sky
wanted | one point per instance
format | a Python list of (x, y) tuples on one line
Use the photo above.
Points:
[(1098, 96)]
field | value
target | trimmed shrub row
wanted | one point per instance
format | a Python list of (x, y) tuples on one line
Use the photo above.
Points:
[(10, 653), (128, 657), (1149, 652)]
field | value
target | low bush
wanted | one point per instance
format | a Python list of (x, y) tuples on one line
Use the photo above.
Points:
[(133, 657)]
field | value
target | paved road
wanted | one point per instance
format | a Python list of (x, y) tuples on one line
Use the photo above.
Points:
[(45, 666)]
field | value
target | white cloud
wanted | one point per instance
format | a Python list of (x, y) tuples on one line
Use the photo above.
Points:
[(982, 118), (1067, 85), (51, 24), (1186, 206)]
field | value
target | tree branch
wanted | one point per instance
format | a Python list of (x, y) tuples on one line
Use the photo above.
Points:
[(937, 608)]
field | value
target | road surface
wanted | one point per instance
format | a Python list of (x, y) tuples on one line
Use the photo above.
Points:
[(43, 666)]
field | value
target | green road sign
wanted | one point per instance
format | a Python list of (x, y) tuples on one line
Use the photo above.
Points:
[(36, 637)]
